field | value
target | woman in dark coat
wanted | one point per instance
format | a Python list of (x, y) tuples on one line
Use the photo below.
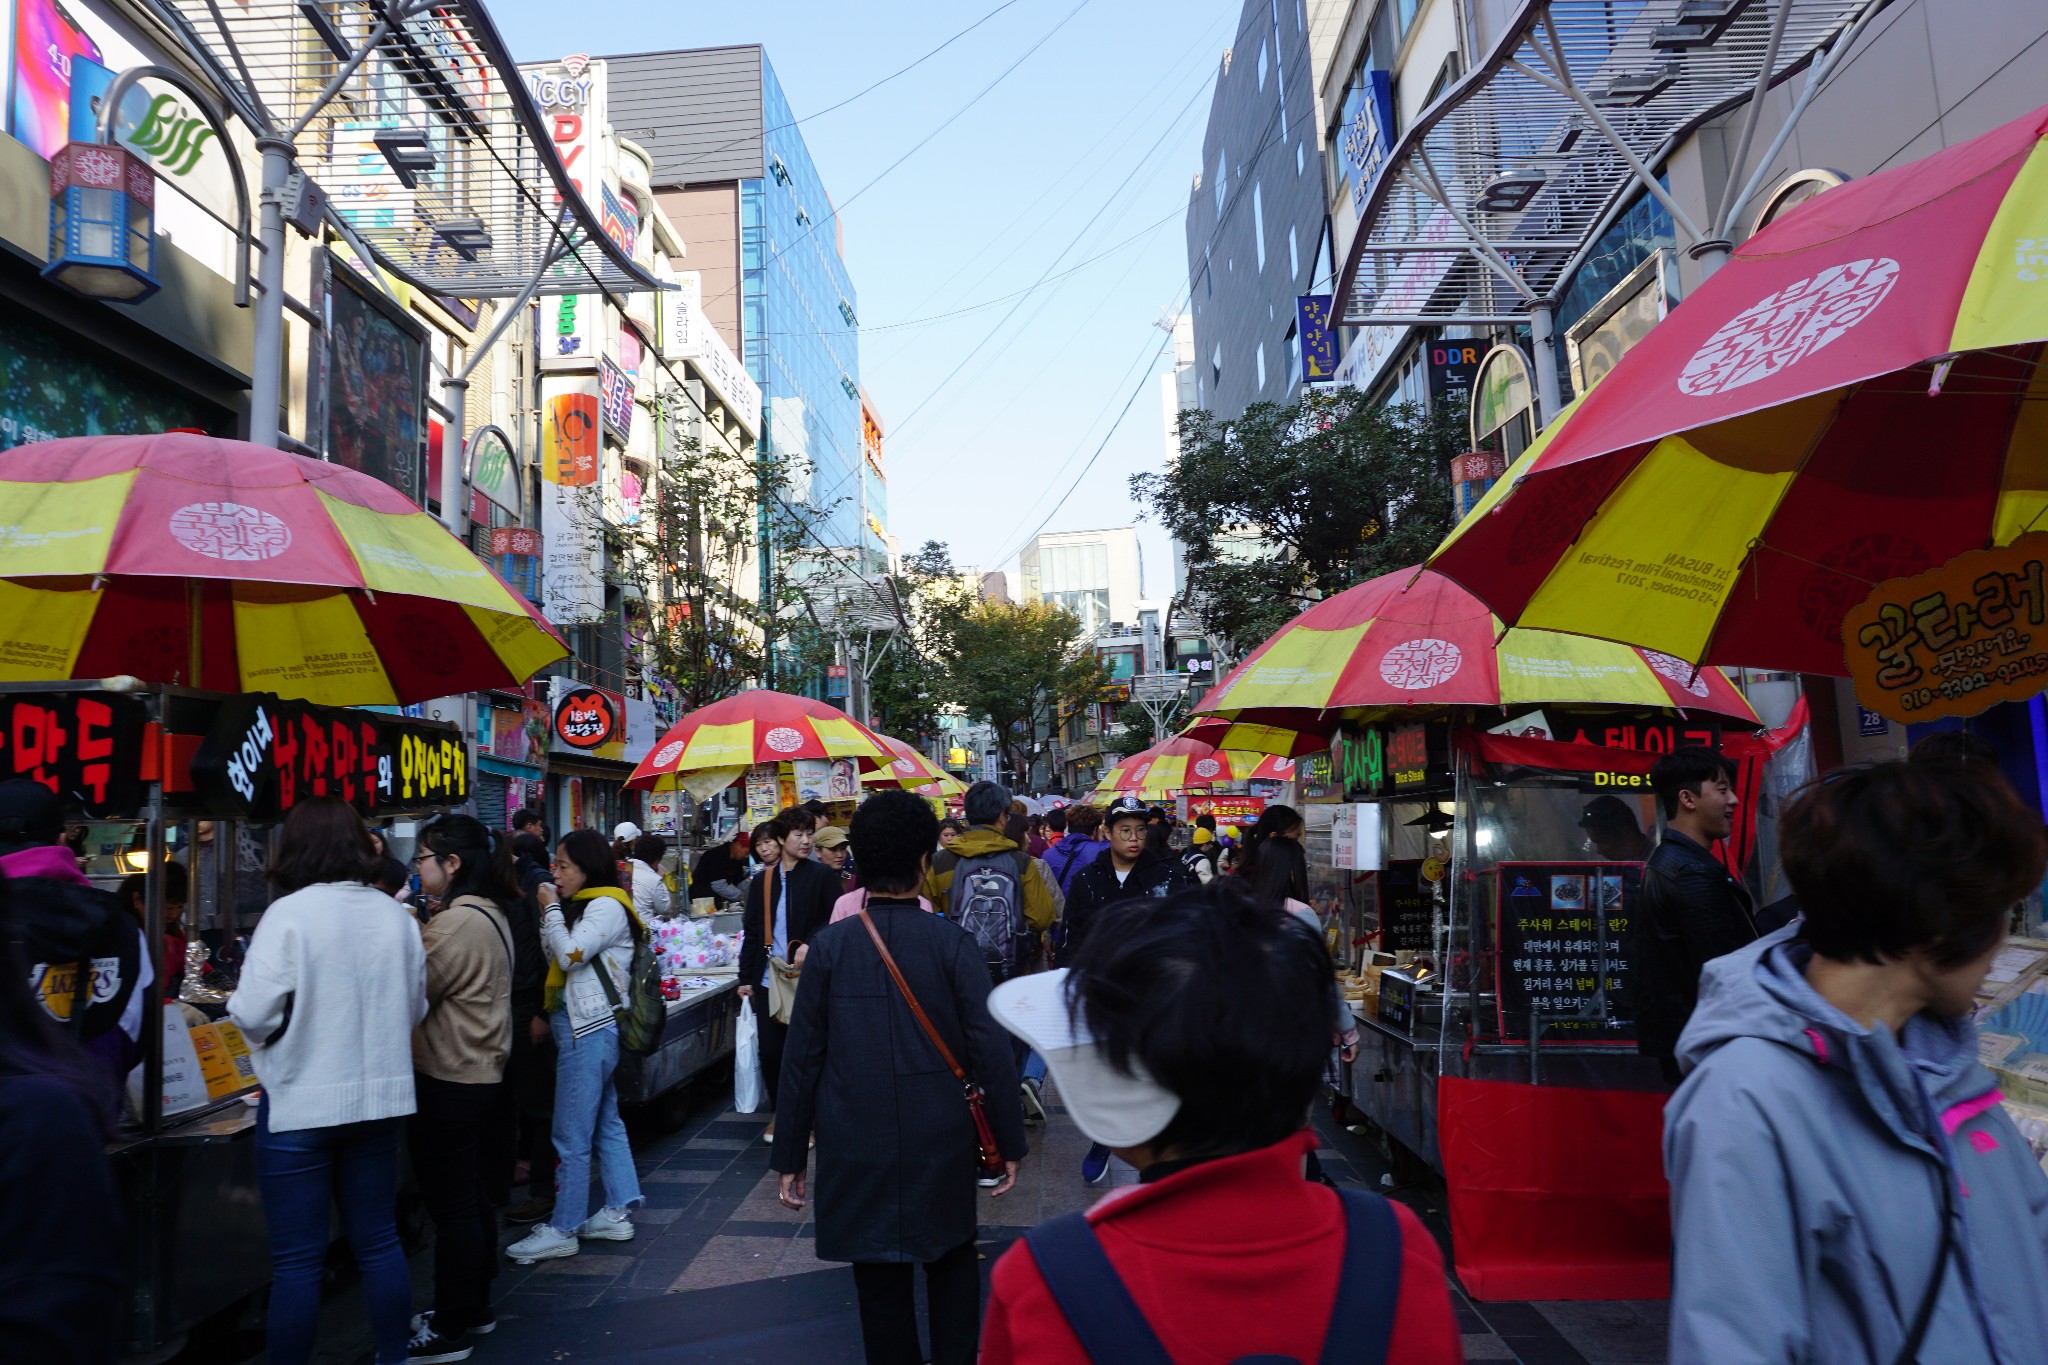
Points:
[(896, 1145)]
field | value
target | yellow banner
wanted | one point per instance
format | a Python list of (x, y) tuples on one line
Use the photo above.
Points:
[(1956, 640)]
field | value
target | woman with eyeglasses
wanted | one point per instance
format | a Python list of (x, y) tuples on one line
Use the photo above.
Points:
[(588, 927), (458, 1058)]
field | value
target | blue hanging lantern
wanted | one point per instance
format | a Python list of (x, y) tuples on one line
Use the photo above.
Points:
[(102, 222)]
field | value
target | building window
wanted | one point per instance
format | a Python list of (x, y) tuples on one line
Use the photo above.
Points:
[(1262, 63), (1222, 177), (1262, 366), (1293, 352), (1216, 364), (1258, 225), (1300, 159), (1293, 254)]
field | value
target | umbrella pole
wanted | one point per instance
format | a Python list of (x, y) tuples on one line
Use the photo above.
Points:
[(195, 615)]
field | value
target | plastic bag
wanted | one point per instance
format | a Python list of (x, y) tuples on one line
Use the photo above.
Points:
[(747, 1086)]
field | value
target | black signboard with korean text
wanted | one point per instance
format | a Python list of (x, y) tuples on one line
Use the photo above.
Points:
[(1407, 907), (84, 746), (262, 756), (1393, 760), (1559, 928)]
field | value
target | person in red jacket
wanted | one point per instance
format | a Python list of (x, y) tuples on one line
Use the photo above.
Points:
[(1189, 1036)]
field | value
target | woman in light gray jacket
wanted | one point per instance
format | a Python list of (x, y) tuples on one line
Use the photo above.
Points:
[(333, 985), (1845, 1187), (587, 927)]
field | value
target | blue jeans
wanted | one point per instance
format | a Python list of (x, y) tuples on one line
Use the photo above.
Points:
[(587, 1116), (1033, 1068), (302, 1174)]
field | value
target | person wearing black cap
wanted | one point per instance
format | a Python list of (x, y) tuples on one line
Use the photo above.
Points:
[(1127, 870), (1612, 830), (88, 962)]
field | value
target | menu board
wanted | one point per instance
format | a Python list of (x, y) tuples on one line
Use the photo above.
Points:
[(1560, 928), (1407, 918)]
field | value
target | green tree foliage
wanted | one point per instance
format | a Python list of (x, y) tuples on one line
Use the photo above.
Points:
[(1020, 666), (910, 679), (689, 552), (1137, 734), (1291, 503)]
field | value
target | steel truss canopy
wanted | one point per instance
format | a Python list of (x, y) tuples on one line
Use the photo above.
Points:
[(1484, 208), (414, 121)]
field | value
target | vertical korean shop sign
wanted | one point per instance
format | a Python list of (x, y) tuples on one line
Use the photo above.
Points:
[(1318, 344), (1955, 640), (572, 567), (614, 400)]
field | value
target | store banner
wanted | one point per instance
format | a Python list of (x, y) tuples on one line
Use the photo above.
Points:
[(261, 756), (516, 558), (1368, 134), (85, 746), (643, 727), (1228, 810), (614, 400), (589, 721), (686, 334), (1318, 340), (494, 469), (1955, 640), (572, 565)]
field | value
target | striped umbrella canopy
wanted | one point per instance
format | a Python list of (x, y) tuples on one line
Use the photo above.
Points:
[(1413, 641), (195, 561), (1857, 396), (760, 726), (913, 771), (1168, 768)]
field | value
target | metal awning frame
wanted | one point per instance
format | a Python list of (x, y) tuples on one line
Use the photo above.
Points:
[(1524, 270)]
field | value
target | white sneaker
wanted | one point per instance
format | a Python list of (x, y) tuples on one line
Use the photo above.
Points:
[(612, 1225), (544, 1243), (1034, 1103)]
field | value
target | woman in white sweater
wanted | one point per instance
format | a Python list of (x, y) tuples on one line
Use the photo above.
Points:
[(587, 927), (334, 982)]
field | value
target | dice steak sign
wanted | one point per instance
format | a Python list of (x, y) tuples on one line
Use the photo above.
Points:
[(262, 756)]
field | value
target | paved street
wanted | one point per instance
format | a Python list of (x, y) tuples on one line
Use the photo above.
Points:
[(722, 1272)]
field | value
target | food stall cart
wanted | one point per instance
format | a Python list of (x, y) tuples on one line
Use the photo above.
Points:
[(156, 761), (1476, 833)]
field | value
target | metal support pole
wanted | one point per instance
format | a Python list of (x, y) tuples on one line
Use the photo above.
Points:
[(1544, 358), (455, 397), (266, 379)]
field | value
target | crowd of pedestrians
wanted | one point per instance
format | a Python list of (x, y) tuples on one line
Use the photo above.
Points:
[(1844, 1184)]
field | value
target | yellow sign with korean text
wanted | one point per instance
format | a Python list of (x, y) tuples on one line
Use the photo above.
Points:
[(1955, 640)]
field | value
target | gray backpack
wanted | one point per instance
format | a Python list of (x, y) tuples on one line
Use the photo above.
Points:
[(988, 902)]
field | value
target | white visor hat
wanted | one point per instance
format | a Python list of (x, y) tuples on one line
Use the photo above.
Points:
[(1112, 1108)]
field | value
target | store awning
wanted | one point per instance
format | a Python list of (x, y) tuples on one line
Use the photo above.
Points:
[(430, 148), (1491, 200)]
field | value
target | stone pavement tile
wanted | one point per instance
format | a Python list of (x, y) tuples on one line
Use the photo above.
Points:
[(649, 1214), (671, 1196), (677, 1175), (528, 1303), (732, 1260), (583, 1267), (1613, 1333), (708, 1161), (730, 1125), (742, 1227), (1529, 1334), (1486, 1346), (719, 1144)]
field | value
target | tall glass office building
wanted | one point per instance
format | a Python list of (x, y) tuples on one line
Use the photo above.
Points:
[(735, 177)]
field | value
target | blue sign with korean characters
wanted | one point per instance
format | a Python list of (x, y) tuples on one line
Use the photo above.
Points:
[(1318, 342), (1368, 137)]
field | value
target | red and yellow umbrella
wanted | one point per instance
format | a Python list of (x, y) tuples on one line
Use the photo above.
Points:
[(1856, 396), (191, 560), (1169, 768), (760, 726), (1413, 641), (913, 771)]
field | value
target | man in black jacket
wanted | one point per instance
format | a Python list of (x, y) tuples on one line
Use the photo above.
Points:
[(785, 907), (1124, 871), (1692, 910)]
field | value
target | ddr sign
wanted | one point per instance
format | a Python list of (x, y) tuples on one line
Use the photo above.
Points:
[(1955, 640)]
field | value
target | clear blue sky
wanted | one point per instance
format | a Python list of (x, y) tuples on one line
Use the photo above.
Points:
[(981, 211)]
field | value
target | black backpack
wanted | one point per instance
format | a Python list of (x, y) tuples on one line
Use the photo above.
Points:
[(988, 902), (1112, 1328)]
